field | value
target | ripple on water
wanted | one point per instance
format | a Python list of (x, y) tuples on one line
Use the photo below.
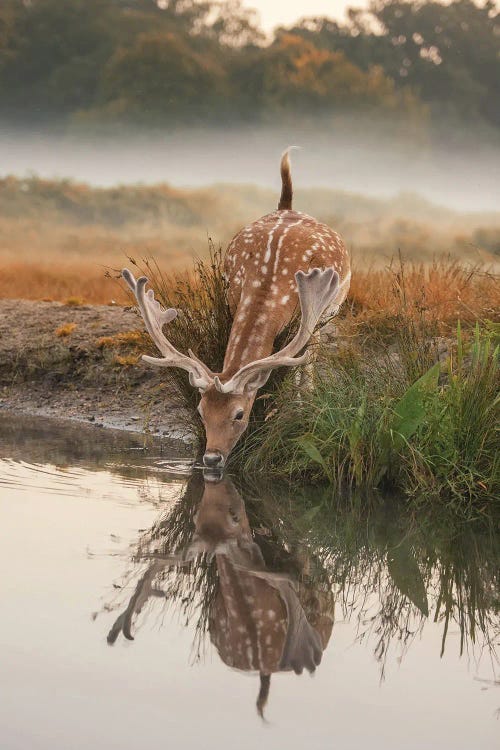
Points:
[(111, 483)]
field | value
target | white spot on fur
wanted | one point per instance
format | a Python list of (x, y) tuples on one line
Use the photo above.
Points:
[(267, 256)]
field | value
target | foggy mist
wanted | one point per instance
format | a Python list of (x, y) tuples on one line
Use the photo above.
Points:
[(456, 176)]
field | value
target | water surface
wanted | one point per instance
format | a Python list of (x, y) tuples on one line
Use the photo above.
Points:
[(227, 588)]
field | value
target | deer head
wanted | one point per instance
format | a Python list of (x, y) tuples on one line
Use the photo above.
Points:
[(226, 401)]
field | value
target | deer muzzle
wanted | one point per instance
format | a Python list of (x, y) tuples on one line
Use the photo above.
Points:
[(213, 460)]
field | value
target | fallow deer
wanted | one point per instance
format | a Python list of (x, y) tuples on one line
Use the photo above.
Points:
[(259, 621), (268, 264)]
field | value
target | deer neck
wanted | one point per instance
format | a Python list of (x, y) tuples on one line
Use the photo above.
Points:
[(252, 336)]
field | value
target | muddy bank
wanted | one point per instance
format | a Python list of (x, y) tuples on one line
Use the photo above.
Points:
[(77, 362)]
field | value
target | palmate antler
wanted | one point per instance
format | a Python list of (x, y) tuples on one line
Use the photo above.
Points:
[(145, 589), (155, 317), (317, 291)]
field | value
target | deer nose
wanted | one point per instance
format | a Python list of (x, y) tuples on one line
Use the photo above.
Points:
[(213, 459)]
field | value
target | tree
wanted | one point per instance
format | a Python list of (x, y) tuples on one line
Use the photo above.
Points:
[(160, 77), (51, 53), (292, 74), (447, 53), (450, 52), (172, 60)]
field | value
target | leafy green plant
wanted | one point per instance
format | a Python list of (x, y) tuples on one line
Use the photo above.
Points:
[(460, 447), (404, 419)]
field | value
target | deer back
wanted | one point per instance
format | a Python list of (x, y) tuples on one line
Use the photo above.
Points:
[(260, 267)]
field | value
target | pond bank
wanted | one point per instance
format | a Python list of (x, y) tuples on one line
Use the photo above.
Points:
[(75, 362)]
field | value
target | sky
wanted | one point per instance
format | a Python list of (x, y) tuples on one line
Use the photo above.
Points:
[(284, 12)]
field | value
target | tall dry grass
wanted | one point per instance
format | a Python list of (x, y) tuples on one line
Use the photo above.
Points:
[(439, 292), (76, 280), (56, 237)]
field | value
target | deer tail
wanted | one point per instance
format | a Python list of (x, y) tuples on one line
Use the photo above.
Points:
[(265, 684), (285, 203)]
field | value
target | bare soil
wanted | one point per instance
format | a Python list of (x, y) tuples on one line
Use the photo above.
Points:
[(74, 376)]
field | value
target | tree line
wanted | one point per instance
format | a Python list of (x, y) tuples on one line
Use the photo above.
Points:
[(175, 62)]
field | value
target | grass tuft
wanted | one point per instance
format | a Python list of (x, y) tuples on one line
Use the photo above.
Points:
[(126, 360), (370, 424), (123, 339), (65, 330), (74, 301)]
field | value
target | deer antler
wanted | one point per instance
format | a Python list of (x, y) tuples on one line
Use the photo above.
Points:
[(145, 590), (155, 317), (317, 291)]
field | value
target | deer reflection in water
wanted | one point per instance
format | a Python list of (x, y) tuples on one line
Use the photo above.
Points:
[(266, 599), (259, 620)]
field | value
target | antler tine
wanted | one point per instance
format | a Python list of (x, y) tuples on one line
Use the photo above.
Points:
[(155, 317), (143, 591), (317, 291)]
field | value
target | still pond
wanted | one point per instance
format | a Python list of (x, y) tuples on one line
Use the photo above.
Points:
[(144, 605)]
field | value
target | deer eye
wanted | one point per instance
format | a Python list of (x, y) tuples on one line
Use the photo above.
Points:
[(239, 414)]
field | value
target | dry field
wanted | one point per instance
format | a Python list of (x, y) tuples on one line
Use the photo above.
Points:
[(61, 240)]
